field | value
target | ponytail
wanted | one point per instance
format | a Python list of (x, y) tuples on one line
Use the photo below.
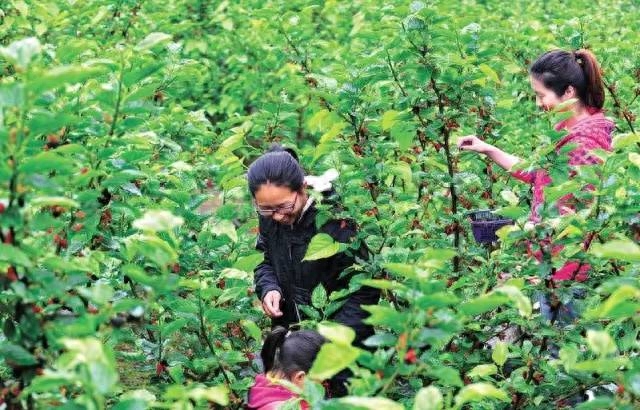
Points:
[(594, 93), (289, 352), (559, 69), (271, 346)]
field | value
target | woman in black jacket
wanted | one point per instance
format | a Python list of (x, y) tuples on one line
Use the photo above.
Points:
[(287, 217)]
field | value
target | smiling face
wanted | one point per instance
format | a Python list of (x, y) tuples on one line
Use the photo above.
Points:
[(546, 98), (280, 203)]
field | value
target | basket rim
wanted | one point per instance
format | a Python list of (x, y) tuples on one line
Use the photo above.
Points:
[(492, 222)]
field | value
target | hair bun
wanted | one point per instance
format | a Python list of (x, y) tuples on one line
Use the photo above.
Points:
[(275, 147)]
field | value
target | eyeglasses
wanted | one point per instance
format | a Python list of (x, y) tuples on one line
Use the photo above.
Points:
[(281, 209)]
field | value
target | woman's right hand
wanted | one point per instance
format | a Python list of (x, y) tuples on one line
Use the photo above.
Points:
[(473, 143), (271, 304)]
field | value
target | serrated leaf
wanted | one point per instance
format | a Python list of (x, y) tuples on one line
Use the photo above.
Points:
[(322, 246), (319, 297)]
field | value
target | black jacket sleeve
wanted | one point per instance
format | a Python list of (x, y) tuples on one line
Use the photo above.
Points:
[(264, 277), (351, 313)]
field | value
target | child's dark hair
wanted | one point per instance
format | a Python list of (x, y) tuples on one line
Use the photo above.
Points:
[(290, 353), (279, 166), (559, 69)]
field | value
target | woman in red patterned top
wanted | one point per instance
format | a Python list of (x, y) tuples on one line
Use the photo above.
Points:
[(557, 77)]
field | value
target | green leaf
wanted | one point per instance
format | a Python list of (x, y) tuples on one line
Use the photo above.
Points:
[(368, 403), (478, 392), (322, 246), (131, 404), (402, 269), (600, 342), (483, 303), (489, 72), (517, 298), (319, 297), (225, 227), (152, 247), (151, 40), (553, 193), (622, 141), (509, 196), (403, 170), (337, 333), (13, 353), (170, 328), (249, 262), (221, 316), (54, 200), (216, 394), (429, 398), (331, 359), (602, 366), (46, 162), (500, 352), (621, 249), (252, 329), (483, 370), (619, 297), (446, 375), (403, 134), (512, 212), (48, 383), (14, 256), (386, 316), (389, 118), (60, 76)]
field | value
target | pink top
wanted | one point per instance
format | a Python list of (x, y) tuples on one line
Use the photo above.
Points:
[(593, 132), (265, 395)]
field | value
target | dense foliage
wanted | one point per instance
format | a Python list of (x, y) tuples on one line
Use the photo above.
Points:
[(128, 234)]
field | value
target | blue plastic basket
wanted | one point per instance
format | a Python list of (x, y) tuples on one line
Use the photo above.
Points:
[(484, 225)]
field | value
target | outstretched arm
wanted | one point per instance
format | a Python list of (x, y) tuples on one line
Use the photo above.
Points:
[(473, 143)]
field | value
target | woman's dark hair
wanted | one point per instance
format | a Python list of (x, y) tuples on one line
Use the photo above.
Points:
[(558, 69), (279, 166), (290, 353)]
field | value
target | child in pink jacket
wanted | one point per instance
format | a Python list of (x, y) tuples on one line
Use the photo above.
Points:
[(287, 356), (557, 77)]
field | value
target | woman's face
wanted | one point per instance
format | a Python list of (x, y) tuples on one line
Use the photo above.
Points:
[(280, 203), (546, 98)]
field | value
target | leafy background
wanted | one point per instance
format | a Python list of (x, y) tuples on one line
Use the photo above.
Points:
[(126, 128)]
